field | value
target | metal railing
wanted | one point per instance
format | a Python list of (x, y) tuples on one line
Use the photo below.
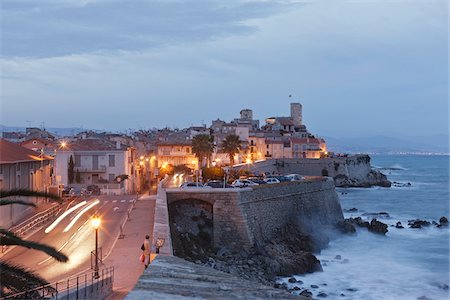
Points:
[(84, 286), (99, 258), (34, 222)]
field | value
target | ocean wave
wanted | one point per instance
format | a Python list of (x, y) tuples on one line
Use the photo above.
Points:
[(394, 167)]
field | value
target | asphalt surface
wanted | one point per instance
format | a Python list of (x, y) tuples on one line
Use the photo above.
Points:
[(78, 242)]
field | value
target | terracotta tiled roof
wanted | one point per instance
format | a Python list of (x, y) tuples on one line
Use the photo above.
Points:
[(93, 145), (13, 153)]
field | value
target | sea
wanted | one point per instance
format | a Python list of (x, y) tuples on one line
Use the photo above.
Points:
[(406, 263)]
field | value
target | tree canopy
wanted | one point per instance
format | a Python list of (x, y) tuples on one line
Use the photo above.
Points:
[(203, 147), (231, 145)]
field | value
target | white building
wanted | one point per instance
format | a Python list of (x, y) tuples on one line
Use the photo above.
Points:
[(96, 161)]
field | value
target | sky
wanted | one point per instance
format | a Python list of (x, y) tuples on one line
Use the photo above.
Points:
[(358, 67)]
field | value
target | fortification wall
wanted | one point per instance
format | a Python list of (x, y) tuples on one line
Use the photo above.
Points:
[(311, 205), (347, 171), (242, 217)]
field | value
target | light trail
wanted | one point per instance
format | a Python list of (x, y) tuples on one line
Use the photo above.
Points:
[(80, 214), (61, 217)]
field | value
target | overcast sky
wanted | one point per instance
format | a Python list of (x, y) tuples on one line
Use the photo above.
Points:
[(358, 67)]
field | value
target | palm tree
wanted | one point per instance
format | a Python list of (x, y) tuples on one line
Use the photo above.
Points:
[(203, 147), (231, 145), (15, 279)]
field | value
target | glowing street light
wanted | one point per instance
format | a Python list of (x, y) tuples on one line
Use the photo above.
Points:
[(96, 223)]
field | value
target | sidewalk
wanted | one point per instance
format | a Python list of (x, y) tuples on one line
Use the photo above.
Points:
[(125, 254)]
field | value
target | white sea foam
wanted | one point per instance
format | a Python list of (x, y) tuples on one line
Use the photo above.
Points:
[(370, 268)]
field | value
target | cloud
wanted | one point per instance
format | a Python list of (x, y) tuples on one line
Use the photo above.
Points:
[(357, 67), (58, 28)]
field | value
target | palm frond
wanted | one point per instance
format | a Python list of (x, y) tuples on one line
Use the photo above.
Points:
[(15, 279), (21, 202), (28, 193), (8, 238)]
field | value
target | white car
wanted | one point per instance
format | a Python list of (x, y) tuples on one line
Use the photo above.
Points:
[(294, 177), (243, 183), (271, 180)]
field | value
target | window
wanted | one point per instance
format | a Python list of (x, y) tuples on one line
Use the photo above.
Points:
[(77, 161), (111, 177), (112, 160)]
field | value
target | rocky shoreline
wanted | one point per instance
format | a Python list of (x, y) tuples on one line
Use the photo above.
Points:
[(373, 178), (290, 252)]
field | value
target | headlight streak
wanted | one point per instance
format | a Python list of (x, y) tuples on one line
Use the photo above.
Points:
[(80, 214), (61, 217)]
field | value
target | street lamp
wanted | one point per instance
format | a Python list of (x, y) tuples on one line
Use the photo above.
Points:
[(96, 223)]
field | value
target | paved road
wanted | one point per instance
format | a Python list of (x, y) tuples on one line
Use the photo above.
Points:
[(78, 242)]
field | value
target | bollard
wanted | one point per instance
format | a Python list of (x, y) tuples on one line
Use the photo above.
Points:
[(121, 234)]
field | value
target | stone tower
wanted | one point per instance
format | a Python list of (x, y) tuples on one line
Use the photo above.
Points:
[(246, 114), (296, 114)]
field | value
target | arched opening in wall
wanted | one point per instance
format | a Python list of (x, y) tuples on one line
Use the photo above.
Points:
[(191, 228)]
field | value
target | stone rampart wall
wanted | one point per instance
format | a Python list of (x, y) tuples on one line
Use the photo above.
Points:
[(243, 216), (311, 205)]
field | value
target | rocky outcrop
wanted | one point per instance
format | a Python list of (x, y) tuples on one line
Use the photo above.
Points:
[(374, 226), (417, 223), (290, 252), (378, 227), (373, 178)]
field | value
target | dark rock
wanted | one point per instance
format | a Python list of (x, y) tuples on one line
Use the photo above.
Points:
[(417, 223), (296, 288), (353, 209), (306, 293), (314, 286), (359, 222), (345, 226), (443, 221), (322, 295), (342, 295), (380, 214), (277, 285), (378, 227), (424, 298), (443, 286), (224, 251), (337, 257), (399, 225), (292, 280), (351, 289)]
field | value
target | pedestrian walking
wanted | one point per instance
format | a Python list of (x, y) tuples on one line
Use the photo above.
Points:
[(146, 247)]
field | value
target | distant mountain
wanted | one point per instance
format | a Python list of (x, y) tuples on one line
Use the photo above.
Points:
[(57, 131), (389, 144)]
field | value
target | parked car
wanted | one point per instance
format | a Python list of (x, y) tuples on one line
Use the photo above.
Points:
[(218, 184), (271, 180), (294, 177), (257, 180), (186, 185), (77, 192), (66, 191), (93, 189), (243, 183), (279, 177)]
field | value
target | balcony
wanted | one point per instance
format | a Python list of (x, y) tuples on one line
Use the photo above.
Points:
[(97, 169)]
